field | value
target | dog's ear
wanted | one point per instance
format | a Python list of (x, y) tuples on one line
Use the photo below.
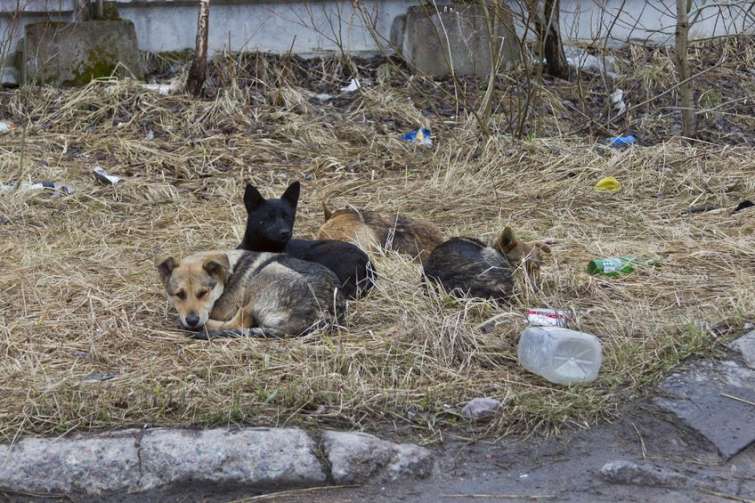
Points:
[(252, 198), (217, 266), (506, 241), (165, 268), (292, 194)]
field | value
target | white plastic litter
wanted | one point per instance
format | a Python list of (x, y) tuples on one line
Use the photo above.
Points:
[(6, 127), (617, 100), (57, 188), (548, 318), (583, 61), (353, 86), (165, 89), (560, 355), (324, 97), (105, 177)]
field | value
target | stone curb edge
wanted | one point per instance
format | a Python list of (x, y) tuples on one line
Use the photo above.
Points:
[(134, 461)]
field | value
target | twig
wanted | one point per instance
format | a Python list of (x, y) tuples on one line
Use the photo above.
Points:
[(501, 496), (675, 86), (21, 159), (642, 441), (291, 492), (727, 496), (738, 399)]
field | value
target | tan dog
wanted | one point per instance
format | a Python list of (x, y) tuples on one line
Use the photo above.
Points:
[(259, 294), (372, 231), (529, 255)]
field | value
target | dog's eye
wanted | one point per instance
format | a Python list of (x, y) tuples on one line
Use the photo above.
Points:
[(181, 295), (201, 293)]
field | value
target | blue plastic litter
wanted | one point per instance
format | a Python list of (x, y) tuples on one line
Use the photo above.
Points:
[(622, 141), (419, 136)]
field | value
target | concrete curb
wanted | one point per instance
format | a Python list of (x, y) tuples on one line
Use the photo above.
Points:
[(260, 459)]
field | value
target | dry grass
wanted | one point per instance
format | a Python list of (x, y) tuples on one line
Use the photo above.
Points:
[(79, 293)]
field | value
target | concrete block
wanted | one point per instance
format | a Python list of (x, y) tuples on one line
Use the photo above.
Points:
[(357, 457), (454, 37), (72, 54), (746, 346), (714, 400)]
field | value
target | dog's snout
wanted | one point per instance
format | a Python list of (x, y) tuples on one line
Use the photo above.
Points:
[(284, 234), (192, 320)]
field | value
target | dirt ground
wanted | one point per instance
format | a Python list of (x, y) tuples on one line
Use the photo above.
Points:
[(88, 341)]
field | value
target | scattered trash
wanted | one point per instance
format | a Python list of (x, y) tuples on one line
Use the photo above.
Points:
[(353, 86), (98, 377), (150, 135), (104, 177), (613, 266), (164, 89), (743, 205), (581, 60), (6, 127), (560, 355), (618, 266), (617, 100), (419, 136), (480, 408), (323, 98), (57, 188), (622, 141), (548, 318), (4, 220), (608, 184)]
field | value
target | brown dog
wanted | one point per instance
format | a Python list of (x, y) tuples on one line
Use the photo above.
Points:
[(372, 231), (529, 255)]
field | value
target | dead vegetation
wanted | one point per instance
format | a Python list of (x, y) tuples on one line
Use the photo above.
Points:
[(87, 340)]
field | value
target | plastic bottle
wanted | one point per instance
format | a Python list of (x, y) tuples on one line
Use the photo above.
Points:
[(622, 141), (560, 355), (613, 266)]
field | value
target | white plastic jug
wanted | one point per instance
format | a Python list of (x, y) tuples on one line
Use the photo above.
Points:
[(560, 355)]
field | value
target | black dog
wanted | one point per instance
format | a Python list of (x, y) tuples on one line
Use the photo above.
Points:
[(270, 224), (467, 267)]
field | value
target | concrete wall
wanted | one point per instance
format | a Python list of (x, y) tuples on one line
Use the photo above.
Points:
[(652, 20), (274, 26), (304, 27), (283, 25)]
